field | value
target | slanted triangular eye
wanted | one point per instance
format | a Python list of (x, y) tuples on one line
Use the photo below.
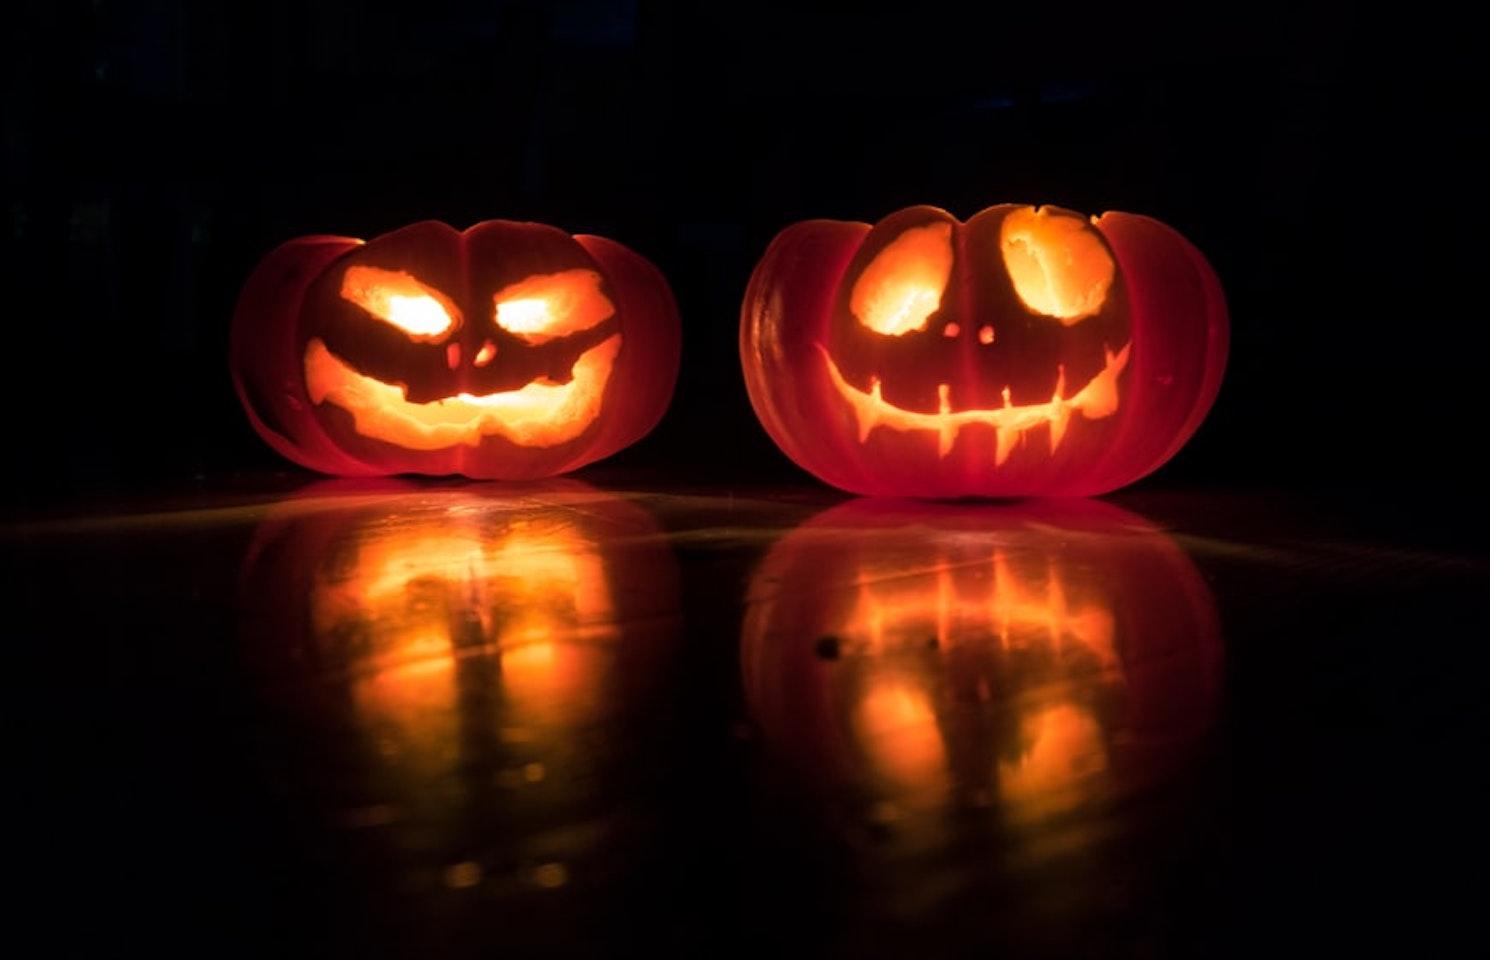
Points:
[(903, 285), (1059, 266), (551, 305), (401, 301)]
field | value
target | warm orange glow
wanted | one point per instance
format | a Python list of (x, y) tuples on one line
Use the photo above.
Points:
[(973, 600), (1062, 747), (897, 728), (396, 298), (973, 597), (421, 596), (1098, 399), (902, 287), (551, 305), (1059, 266), (540, 414)]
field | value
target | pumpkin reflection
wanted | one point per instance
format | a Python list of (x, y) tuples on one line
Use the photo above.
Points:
[(1031, 658), (532, 594), (481, 651)]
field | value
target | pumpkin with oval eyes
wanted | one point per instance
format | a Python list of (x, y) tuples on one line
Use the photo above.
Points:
[(508, 351), (1026, 352)]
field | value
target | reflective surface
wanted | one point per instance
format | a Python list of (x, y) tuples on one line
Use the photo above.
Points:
[(484, 664), (465, 719), (1025, 660)]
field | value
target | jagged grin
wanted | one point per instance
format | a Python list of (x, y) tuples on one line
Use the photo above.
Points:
[(1098, 399), (540, 414)]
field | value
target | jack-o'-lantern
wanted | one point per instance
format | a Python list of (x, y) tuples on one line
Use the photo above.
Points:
[(473, 666), (1025, 352), (1022, 660), (508, 351)]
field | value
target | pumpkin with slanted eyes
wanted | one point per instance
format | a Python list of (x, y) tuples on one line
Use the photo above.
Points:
[(1025, 352), (508, 351)]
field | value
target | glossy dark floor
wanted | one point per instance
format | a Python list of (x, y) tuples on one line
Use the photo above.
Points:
[(461, 719)]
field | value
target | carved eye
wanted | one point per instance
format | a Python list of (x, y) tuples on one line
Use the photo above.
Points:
[(903, 285), (1059, 267), (399, 300), (552, 305)]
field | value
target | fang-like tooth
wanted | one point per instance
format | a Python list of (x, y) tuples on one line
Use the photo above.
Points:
[(1058, 423), (1007, 439)]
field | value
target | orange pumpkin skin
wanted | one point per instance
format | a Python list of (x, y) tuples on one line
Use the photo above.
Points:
[(1022, 353), (508, 351)]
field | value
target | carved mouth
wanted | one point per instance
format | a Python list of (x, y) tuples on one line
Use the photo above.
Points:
[(1098, 399), (539, 414)]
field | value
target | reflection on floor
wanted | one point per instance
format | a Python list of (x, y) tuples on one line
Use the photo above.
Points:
[(476, 716)]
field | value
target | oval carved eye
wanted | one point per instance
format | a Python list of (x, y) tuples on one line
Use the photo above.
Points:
[(903, 285), (551, 305), (1059, 267), (401, 301)]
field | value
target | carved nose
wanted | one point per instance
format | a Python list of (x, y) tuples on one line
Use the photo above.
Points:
[(485, 354), (452, 355)]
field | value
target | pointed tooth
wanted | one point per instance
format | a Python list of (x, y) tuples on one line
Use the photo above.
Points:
[(1058, 423), (1008, 437)]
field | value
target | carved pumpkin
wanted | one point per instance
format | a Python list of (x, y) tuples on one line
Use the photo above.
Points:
[(454, 652), (1026, 658), (1024, 352), (508, 351)]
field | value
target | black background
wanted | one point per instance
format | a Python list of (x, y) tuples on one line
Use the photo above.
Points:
[(1316, 154)]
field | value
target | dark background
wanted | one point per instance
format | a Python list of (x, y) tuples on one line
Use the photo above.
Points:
[(1317, 155)]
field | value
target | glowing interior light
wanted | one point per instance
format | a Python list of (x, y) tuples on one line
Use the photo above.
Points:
[(969, 596), (897, 726), (970, 600), (1098, 399), (551, 305), (1063, 748), (902, 286), (524, 316), (398, 299), (1059, 266), (540, 414), (420, 595)]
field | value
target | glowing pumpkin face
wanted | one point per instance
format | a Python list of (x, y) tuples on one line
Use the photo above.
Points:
[(509, 351), (1024, 352), (1026, 659)]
